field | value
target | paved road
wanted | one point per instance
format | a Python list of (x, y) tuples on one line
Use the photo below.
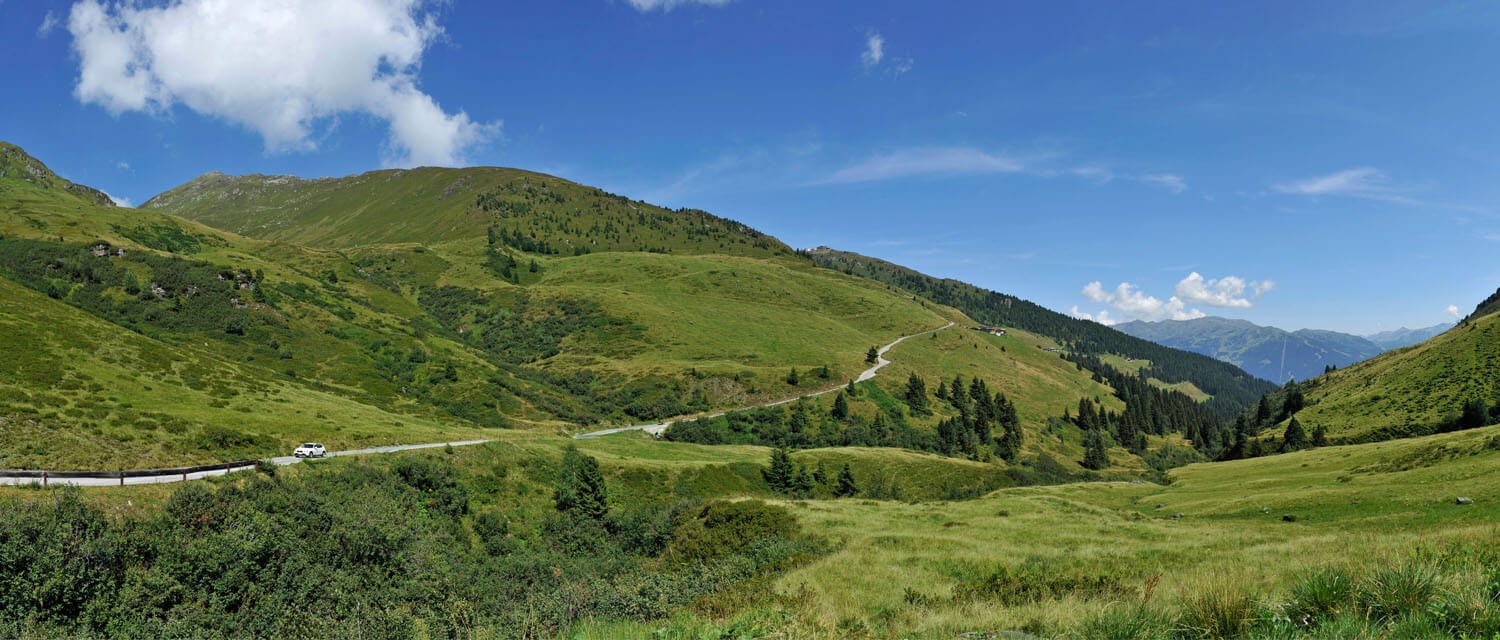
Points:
[(179, 477), (653, 429), (657, 428)]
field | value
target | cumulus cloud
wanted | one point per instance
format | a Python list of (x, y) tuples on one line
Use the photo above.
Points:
[(284, 69), (668, 5), (120, 201), (1228, 291), (1102, 317), (1132, 303), (1452, 310), (915, 162)]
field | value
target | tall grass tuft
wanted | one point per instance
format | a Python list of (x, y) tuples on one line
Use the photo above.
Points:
[(1219, 609), (1319, 595), (1393, 591), (1127, 622)]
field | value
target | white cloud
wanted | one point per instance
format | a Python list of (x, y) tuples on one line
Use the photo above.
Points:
[(284, 69), (874, 50), (1129, 300), (668, 5), (1452, 310), (120, 201), (1169, 181), (1228, 291), (49, 23), (122, 165), (1102, 317), (915, 162)]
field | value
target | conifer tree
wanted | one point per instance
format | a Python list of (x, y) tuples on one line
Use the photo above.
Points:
[(872, 356), (1096, 452), (1295, 437), (916, 395), (1320, 436), (780, 474), (580, 486), (840, 407), (846, 485)]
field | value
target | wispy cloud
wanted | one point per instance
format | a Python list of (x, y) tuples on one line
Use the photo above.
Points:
[(1452, 310), (668, 5), (950, 161), (49, 23), (873, 57), (1104, 175), (874, 50), (1169, 181), (1359, 182)]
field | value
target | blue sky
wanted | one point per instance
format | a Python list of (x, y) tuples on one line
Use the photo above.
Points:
[(1302, 164)]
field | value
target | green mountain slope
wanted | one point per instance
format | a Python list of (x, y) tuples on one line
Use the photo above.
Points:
[(1231, 389), (19, 172), (1411, 391), (1265, 352), (528, 211)]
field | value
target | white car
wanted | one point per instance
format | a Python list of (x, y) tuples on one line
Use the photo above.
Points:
[(310, 450)]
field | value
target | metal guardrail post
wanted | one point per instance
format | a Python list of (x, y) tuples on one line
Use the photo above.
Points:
[(44, 479), (122, 478)]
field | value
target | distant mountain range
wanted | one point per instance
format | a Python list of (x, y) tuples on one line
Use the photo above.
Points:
[(1271, 353), (1405, 337)]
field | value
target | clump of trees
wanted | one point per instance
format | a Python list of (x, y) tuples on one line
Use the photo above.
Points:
[(791, 479)]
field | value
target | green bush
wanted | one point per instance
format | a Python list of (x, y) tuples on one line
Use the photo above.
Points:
[(723, 528)]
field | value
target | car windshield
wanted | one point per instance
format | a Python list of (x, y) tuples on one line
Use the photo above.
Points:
[(309, 445)]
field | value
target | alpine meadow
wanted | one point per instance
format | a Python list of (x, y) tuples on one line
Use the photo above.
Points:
[(658, 384)]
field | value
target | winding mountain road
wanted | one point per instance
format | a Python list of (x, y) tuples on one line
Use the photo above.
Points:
[(178, 475), (658, 428)]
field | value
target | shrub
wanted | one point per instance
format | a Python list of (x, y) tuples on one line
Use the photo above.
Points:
[(722, 528)]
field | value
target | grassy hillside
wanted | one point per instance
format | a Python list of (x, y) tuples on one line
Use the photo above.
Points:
[(77, 392), (533, 212), (1210, 555), (19, 172), (1231, 388), (1410, 391), (431, 333)]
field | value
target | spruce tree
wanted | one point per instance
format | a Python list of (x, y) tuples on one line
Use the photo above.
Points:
[(1295, 437), (846, 485), (872, 356), (1320, 436), (840, 407), (916, 395), (580, 486), (1096, 452), (792, 378), (780, 474), (802, 482)]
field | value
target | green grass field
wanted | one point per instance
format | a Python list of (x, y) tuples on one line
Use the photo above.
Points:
[(921, 570)]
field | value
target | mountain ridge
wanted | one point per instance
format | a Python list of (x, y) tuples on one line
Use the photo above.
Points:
[(1267, 352)]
